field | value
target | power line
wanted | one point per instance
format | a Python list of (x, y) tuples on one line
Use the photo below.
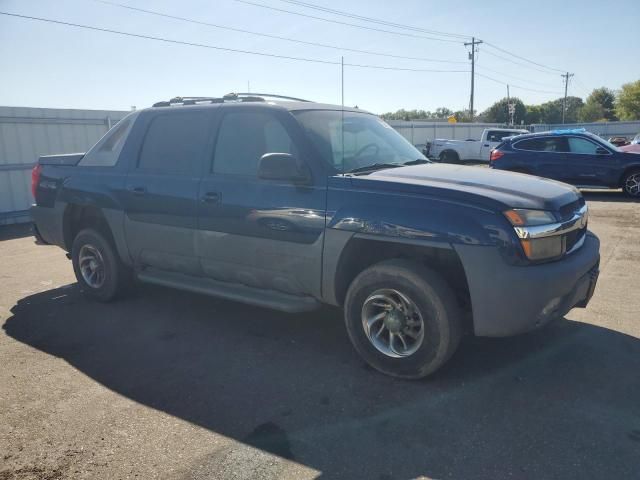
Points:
[(518, 63), (397, 25), (225, 49), (521, 58), (517, 86), (514, 77), (375, 20), (403, 34), (277, 37)]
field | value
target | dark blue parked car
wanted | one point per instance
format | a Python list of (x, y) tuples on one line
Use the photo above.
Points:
[(572, 156)]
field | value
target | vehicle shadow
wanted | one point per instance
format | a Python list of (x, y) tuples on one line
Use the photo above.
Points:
[(17, 230), (562, 402)]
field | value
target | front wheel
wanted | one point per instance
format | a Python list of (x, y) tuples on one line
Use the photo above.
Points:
[(631, 184), (98, 269), (402, 319)]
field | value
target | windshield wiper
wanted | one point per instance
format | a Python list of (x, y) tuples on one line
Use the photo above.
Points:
[(418, 161), (374, 166), (380, 166)]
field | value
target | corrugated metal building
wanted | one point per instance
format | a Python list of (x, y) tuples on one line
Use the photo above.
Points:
[(27, 133)]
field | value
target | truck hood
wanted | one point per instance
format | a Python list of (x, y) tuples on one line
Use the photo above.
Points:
[(513, 190)]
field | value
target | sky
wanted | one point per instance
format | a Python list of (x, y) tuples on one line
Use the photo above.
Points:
[(57, 66)]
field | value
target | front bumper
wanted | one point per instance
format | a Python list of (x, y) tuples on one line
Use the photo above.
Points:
[(508, 300)]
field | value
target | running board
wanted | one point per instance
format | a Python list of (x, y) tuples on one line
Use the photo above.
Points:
[(230, 291)]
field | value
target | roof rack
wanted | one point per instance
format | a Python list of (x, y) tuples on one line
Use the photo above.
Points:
[(568, 131), (229, 97)]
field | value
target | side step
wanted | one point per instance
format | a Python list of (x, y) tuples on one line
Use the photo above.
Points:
[(230, 291)]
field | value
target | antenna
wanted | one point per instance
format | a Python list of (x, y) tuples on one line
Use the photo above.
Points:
[(342, 111)]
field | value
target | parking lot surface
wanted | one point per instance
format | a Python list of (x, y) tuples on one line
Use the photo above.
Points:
[(167, 384)]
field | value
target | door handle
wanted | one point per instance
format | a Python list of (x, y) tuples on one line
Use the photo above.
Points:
[(138, 190), (487, 145), (211, 197)]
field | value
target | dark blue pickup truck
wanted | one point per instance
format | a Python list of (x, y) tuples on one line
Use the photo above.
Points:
[(294, 204)]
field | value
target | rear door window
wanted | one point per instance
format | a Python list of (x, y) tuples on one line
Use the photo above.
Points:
[(543, 144), (175, 143), (244, 137)]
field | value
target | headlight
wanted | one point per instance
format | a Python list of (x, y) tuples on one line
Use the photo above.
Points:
[(543, 248)]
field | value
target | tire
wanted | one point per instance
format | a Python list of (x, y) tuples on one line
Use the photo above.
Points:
[(631, 184), (449, 157), (434, 303), (107, 277)]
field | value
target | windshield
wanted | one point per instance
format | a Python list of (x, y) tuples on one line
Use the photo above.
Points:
[(365, 139)]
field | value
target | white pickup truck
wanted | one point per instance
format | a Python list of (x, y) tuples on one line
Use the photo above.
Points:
[(455, 151)]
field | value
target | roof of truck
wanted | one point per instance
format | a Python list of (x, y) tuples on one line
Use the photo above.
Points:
[(288, 103)]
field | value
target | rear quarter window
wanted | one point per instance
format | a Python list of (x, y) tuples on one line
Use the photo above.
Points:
[(106, 152)]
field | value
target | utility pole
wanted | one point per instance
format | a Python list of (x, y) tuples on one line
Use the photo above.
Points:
[(566, 77), (342, 80), (508, 106), (472, 57)]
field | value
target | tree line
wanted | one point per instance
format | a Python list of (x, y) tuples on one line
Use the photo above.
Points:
[(602, 105)]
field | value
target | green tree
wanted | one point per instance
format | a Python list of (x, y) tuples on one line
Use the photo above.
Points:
[(442, 112), (628, 104), (462, 116), (606, 98), (533, 114), (592, 112), (499, 111), (551, 112)]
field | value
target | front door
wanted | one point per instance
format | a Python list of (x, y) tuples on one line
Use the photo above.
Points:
[(590, 164), (255, 232), (162, 190)]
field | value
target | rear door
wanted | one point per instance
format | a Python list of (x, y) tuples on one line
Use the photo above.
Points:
[(543, 156), (590, 163), (162, 190), (261, 233)]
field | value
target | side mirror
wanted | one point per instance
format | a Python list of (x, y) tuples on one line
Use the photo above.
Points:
[(282, 166), (602, 151)]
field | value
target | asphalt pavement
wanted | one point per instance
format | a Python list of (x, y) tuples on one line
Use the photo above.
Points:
[(168, 384)]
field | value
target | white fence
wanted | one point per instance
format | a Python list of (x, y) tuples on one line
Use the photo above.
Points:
[(27, 133), (418, 132), (422, 132)]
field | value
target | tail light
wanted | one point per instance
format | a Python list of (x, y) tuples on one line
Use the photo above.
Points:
[(495, 155), (35, 179)]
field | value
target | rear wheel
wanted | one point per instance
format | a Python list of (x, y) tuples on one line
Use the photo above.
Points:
[(631, 184), (449, 157), (98, 269), (402, 319)]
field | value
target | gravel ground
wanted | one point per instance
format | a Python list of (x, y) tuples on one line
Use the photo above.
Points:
[(166, 384)]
